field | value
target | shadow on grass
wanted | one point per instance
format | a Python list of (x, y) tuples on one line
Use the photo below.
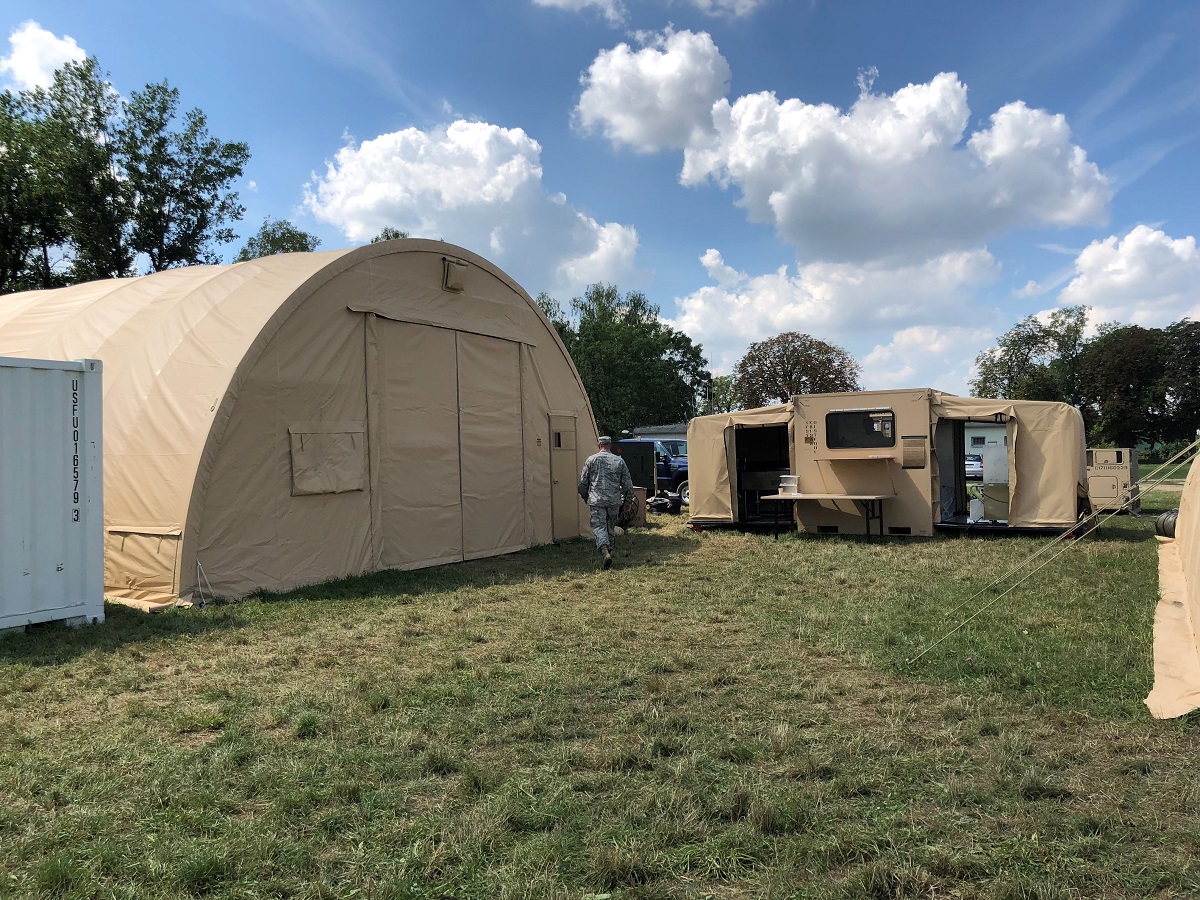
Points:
[(55, 643), (576, 558), (1122, 528), (52, 643)]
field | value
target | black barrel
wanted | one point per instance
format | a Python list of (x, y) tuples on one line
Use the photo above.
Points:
[(1164, 525)]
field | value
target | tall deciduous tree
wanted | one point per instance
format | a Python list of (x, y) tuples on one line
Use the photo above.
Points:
[(1124, 383), (78, 114), (91, 181), (720, 396), (636, 369), (179, 180), (791, 363), (31, 203), (1036, 359), (278, 236), (1182, 378)]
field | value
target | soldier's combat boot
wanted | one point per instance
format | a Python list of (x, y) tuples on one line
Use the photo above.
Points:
[(606, 562)]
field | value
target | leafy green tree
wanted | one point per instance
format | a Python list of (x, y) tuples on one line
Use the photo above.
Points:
[(636, 369), (791, 363), (554, 312), (1036, 360), (91, 181), (1182, 380), (1123, 381), (720, 396), (278, 236), (77, 114), (179, 180), (31, 203), (389, 234)]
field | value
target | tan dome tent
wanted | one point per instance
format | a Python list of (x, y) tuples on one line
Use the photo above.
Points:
[(308, 416)]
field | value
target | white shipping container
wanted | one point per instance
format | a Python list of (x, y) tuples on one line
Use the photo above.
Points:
[(51, 509)]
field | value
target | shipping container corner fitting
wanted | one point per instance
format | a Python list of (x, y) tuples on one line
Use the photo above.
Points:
[(51, 492)]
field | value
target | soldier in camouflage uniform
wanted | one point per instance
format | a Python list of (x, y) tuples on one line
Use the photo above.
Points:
[(604, 484)]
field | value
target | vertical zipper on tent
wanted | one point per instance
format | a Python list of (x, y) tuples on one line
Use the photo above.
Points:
[(525, 474), (462, 518), (376, 432)]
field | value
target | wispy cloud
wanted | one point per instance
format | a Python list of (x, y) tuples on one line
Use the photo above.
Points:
[(1062, 45), (1149, 56), (333, 33), (1128, 170), (1169, 103)]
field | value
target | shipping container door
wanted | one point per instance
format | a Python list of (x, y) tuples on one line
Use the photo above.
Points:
[(564, 477), (491, 448), (420, 509)]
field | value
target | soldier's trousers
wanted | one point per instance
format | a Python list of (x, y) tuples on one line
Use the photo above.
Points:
[(603, 520)]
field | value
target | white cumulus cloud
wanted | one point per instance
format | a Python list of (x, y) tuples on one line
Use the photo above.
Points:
[(892, 176), (1144, 278), (612, 10), (657, 97), (854, 306), (35, 54), (896, 175), (477, 185), (926, 356), (730, 8), (615, 13)]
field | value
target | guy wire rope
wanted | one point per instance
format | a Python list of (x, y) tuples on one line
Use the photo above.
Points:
[(1060, 542)]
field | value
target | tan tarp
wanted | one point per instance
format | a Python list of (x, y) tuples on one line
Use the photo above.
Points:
[(1047, 460), (1176, 641), (1047, 455), (709, 447), (306, 416)]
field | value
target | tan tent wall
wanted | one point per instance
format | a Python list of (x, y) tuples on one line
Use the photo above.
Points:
[(709, 442), (1047, 461), (1047, 456), (1176, 689), (857, 471), (238, 397)]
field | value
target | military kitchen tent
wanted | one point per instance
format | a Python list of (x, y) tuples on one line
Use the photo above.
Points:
[(892, 460), (307, 416)]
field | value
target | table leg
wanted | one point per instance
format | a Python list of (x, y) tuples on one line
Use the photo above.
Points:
[(872, 511)]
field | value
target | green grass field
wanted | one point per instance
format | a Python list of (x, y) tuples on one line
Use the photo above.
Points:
[(724, 715)]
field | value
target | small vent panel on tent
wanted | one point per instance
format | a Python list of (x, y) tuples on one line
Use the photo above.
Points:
[(914, 448), (454, 275)]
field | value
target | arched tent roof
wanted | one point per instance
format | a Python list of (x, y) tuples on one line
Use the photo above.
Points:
[(178, 345)]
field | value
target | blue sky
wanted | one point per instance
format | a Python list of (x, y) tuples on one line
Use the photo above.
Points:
[(904, 180)]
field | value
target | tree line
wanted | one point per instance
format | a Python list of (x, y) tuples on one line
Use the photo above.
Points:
[(1134, 385), (92, 183), (636, 369), (639, 371)]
